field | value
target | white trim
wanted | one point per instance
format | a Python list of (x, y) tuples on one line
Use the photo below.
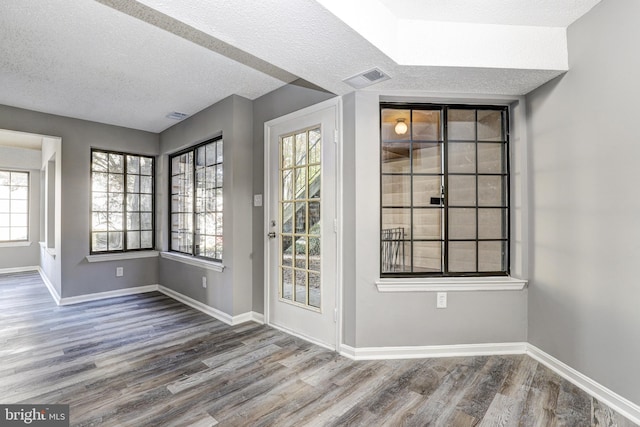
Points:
[(613, 400), (122, 256), (196, 262), (52, 289), (420, 352), (302, 336), (257, 317), (14, 244), (450, 284), (108, 294), (18, 269)]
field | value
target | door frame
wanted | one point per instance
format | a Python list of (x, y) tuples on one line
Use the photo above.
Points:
[(330, 103)]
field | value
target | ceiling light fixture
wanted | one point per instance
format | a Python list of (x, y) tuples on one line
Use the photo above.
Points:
[(401, 127)]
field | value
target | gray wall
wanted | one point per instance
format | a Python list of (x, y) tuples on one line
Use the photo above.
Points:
[(29, 161), (404, 319), (230, 290), (78, 136), (585, 228), (280, 102)]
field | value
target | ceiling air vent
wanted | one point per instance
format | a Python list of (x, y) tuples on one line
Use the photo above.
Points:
[(177, 115), (366, 78)]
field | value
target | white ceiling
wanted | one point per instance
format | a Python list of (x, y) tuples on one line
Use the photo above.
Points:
[(20, 140), (131, 63)]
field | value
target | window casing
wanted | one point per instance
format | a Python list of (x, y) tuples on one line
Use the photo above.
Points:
[(14, 206), (122, 202), (444, 190), (196, 203)]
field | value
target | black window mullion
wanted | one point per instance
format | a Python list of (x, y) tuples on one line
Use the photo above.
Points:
[(445, 172), (477, 195)]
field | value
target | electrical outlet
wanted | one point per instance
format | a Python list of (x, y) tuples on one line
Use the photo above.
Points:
[(204, 282), (119, 271), (441, 300)]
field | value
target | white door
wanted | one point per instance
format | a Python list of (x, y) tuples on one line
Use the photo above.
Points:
[(301, 222)]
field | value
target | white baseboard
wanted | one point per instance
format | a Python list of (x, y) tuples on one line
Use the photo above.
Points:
[(419, 352), (109, 294), (213, 312), (18, 269), (302, 336), (52, 289), (613, 400)]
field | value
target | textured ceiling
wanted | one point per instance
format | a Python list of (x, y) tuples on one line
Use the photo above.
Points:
[(130, 63)]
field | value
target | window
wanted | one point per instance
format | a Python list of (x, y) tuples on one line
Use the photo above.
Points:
[(122, 202), (444, 190), (14, 206), (196, 200)]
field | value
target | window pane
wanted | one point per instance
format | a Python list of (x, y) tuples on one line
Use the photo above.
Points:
[(116, 183), (99, 181), (390, 120), (489, 125), (462, 190), (462, 125), (426, 125), (20, 206), (287, 251), (99, 242), (314, 290), (397, 218), (133, 240), (301, 183), (427, 158), (426, 191), (301, 217), (287, 184), (20, 179), (146, 166), (133, 164), (490, 191), (99, 162), (491, 223), (19, 233), (287, 152), (133, 202), (396, 157), (19, 220), (462, 157), (115, 241), (490, 158), (427, 257), (396, 190), (146, 184), (146, 240), (314, 218), (427, 224), (116, 163), (491, 256), (133, 221), (462, 224), (315, 177), (462, 257)]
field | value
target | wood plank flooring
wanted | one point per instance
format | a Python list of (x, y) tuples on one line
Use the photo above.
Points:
[(147, 360)]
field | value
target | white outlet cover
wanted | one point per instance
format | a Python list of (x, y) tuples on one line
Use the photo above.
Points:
[(441, 300), (119, 272), (257, 200)]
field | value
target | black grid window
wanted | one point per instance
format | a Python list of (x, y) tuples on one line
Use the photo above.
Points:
[(122, 202), (14, 206), (444, 190), (196, 200)]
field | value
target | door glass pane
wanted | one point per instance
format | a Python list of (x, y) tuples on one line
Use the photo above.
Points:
[(427, 191), (426, 125), (300, 225), (396, 190)]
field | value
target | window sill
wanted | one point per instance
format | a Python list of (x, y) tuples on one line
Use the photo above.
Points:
[(196, 262), (14, 244), (122, 256), (451, 284)]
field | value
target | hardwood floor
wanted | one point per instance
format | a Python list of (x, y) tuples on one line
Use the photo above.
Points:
[(147, 360)]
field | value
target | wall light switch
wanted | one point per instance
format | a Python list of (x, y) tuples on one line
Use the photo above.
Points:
[(204, 281), (441, 300), (119, 271)]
